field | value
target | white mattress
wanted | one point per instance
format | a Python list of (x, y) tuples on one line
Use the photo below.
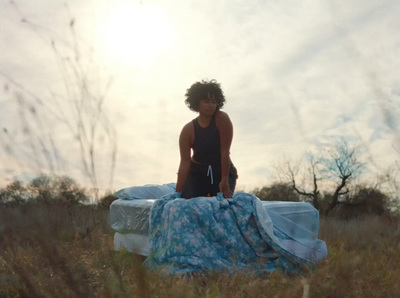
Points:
[(130, 220), (134, 243), (132, 216)]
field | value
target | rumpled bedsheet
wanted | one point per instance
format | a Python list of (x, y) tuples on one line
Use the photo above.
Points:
[(208, 234)]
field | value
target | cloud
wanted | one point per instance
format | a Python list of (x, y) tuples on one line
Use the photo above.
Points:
[(294, 73)]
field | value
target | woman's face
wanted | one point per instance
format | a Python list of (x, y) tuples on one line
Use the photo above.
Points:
[(208, 106)]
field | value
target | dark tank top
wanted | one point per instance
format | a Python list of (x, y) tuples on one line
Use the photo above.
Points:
[(206, 145)]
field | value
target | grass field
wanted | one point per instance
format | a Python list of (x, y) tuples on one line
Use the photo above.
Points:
[(59, 250)]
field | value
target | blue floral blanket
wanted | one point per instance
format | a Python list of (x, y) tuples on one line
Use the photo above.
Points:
[(215, 234)]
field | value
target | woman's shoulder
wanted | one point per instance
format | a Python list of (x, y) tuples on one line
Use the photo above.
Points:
[(187, 128), (222, 121), (222, 117)]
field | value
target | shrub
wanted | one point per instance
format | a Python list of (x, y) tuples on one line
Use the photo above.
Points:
[(47, 188), (106, 201), (364, 201), (277, 192), (15, 193), (44, 188)]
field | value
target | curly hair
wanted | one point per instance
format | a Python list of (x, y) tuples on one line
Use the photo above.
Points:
[(204, 90)]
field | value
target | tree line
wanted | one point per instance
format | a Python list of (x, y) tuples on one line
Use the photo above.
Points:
[(331, 180), (50, 189)]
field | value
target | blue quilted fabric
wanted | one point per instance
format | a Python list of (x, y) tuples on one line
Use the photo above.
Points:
[(215, 234)]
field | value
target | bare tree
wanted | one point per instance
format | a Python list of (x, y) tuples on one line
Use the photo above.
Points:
[(342, 165), (291, 172), (336, 165)]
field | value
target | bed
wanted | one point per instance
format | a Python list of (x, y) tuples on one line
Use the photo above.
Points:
[(295, 224)]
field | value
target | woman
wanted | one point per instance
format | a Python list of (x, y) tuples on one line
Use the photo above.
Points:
[(209, 170)]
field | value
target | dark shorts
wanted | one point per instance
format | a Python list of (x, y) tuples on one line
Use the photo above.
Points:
[(203, 181)]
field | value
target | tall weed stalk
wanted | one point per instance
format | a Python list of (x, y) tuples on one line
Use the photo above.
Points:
[(74, 113)]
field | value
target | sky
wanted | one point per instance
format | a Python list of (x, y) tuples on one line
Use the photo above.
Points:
[(297, 76)]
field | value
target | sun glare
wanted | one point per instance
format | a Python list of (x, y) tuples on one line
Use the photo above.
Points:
[(135, 34)]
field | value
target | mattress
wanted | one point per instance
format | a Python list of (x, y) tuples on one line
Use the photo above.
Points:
[(135, 243), (131, 216), (130, 221)]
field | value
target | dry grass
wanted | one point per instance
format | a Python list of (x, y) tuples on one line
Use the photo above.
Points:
[(67, 251)]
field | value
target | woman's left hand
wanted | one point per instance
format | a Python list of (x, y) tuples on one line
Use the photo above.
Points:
[(224, 188)]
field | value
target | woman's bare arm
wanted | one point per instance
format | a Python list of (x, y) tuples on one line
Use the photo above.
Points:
[(225, 128), (185, 144)]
